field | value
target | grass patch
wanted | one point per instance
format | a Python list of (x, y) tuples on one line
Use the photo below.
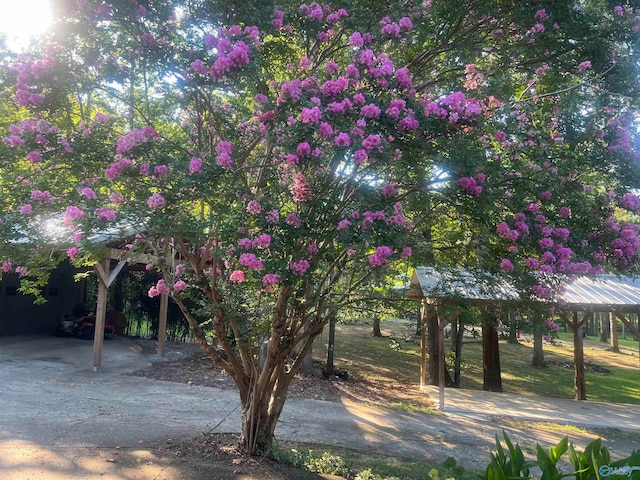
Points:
[(356, 465), (358, 352), (549, 426)]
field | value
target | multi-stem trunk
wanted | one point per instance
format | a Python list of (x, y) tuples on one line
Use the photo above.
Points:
[(261, 410)]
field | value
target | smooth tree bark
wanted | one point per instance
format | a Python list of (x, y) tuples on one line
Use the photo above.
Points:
[(492, 378), (537, 360), (613, 328)]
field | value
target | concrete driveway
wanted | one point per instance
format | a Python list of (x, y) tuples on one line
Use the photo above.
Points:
[(54, 405)]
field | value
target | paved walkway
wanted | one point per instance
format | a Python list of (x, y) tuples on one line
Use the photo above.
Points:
[(53, 404)]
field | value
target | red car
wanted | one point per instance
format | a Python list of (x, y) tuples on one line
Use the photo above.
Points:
[(82, 327)]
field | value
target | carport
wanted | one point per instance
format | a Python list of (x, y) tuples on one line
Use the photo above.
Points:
[(580, 299), (107, 270)]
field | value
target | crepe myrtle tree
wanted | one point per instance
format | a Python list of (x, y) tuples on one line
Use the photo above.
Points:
[(266, 174)]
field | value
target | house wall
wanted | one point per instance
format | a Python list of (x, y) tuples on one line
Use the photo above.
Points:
[(19, 315)]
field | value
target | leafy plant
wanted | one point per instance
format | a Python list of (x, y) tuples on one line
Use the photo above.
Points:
[(508, 463), (592, 464)]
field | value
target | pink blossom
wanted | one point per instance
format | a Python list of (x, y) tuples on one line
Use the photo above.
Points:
[(223, 149), (300, 190), (370, 111), (618, 10), (325, 130), (72, 213), (533, 208), (273, 216), (245, 243), (162, 287), (26, 209), (565, 212), (531, 263), (303, 149), (34, 157), (293, 219), (356, 40), (546, 243), (389, 190), (105, 214), (254, 207), (343, 224), (180, 269), (180, 286), (300, 267), (360, 156), (6, 267), (584, 65), (541, 15), (312, 248), (506, 265), (250, 261), (73, 252), (156, 201), (406, 252), (153, 292), (342, 140), (310, 115), (41, 196), (237, 276), (195, 165), (88, 193), (22, 271), (262, 241), (270, 279)]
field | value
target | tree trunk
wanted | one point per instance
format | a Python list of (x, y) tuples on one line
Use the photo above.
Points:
[(260, 413), (492, 380), (376, 327), (307, 363), (604, 328), (513, 330), (538, 351), (330, 369), (458, 352), (613, 328), (432, 344), (578, 362)]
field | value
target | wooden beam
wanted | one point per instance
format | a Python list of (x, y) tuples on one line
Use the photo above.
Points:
[(162, 323), (441, 324), (423, 344), (101, 310), (633, 329)]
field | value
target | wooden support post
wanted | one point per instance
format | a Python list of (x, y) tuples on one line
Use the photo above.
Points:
[(423, 344), (634, 330), (162, 323), (613, 331), (441, 366), (102, 269)]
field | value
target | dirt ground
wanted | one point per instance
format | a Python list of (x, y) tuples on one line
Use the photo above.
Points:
[(221, 450)]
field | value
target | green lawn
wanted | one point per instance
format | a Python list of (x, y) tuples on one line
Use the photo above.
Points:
[(610, 377)]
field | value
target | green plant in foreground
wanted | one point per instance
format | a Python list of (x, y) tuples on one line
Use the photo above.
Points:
[(592, 464), (368, 466)]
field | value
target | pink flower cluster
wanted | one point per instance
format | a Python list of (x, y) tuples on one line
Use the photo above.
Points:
[(380, 256), (300, 267), (160, 288), (156, 201), (472, 186), (224, 149), (250, 261), (134, 138), (233, 51)]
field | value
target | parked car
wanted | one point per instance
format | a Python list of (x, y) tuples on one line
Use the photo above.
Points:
[(83, 327)]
